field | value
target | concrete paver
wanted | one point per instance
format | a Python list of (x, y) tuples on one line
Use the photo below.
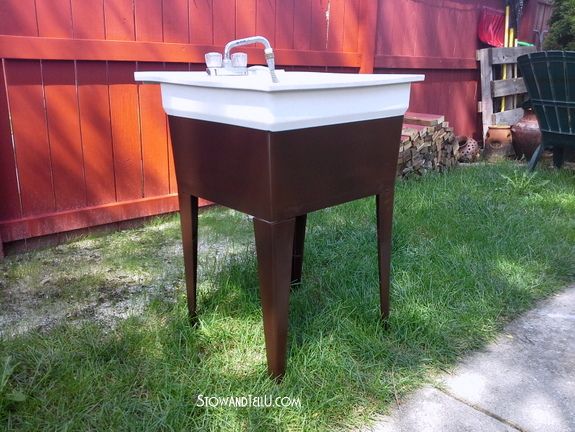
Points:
[(431, 410), (524, 381), (528, 376)]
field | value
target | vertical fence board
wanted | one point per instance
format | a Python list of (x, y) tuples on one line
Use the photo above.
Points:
[(284, 24), (302, 24), (125, 130), (450, 19), (318, 40), (265, 19), (245, 18), (148, 20), (9, 195), (54, 18), (465, 44), (175, 19), (64, 134), (224, 21), (18, 18), (95, 124), (391, 38), (201, 22), (24, 81), (119, 19), (368, 31), (335, 30), (88, 19), (351, 26), (421, 17), (154, 136)]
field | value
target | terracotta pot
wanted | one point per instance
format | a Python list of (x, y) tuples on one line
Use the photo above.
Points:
[(526, 135), (498, 142), (468, 149)]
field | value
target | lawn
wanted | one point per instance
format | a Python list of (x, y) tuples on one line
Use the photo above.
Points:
[(471, 250)]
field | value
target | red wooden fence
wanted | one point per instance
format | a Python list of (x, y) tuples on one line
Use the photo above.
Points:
[(81, 144)]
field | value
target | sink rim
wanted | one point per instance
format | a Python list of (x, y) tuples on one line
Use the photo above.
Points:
[(262, 83)]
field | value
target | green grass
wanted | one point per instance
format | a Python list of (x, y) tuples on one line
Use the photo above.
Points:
[(471, 250)]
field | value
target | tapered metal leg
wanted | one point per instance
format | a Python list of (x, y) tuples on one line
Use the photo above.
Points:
[(274, 246), (298, 247), (189, 225), (384, 210)]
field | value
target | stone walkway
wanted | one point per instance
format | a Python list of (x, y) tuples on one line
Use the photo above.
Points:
[(524, 381)]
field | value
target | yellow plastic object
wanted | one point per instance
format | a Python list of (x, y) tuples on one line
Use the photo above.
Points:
[(506, 45)]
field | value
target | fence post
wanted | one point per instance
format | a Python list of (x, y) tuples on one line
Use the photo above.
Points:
[(367, 34)]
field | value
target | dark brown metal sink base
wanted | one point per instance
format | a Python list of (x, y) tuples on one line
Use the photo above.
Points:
[(279, 177)]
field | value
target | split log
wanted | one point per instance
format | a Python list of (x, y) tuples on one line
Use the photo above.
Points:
[(427, 144)]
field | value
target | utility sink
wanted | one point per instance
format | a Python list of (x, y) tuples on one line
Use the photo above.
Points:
[(278, 151), (299, 100)]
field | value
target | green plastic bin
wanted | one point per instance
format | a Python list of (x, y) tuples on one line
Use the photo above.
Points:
[(550, 80)]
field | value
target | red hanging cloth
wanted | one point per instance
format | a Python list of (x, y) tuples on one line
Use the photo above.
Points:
[(491, 29)]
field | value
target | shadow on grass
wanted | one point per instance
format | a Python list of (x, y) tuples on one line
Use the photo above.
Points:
[(471, 250)]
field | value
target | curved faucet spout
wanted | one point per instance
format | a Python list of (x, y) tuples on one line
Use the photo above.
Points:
[(268, 51), (246, 41)]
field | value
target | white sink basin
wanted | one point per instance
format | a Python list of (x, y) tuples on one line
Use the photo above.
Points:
[(299, 100)]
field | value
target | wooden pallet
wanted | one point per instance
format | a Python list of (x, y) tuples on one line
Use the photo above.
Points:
[(493, 88)]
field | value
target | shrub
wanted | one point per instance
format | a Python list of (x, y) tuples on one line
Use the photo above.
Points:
[(561, 27)]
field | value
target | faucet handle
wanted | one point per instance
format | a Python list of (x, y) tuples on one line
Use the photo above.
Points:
[(213, 59), (239, 59)]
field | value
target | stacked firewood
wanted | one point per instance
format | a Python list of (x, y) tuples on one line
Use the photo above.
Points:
[(427, 144)]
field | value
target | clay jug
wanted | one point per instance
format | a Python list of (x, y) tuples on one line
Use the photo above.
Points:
[(526, 135), (498, 143)]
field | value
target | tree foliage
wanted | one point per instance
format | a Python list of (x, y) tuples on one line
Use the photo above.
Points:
[(561, 27)]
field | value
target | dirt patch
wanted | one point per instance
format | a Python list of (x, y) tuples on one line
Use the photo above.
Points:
[(103, 279)]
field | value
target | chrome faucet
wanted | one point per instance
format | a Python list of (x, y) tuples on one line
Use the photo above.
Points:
[(268, 52), (229, 68)]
